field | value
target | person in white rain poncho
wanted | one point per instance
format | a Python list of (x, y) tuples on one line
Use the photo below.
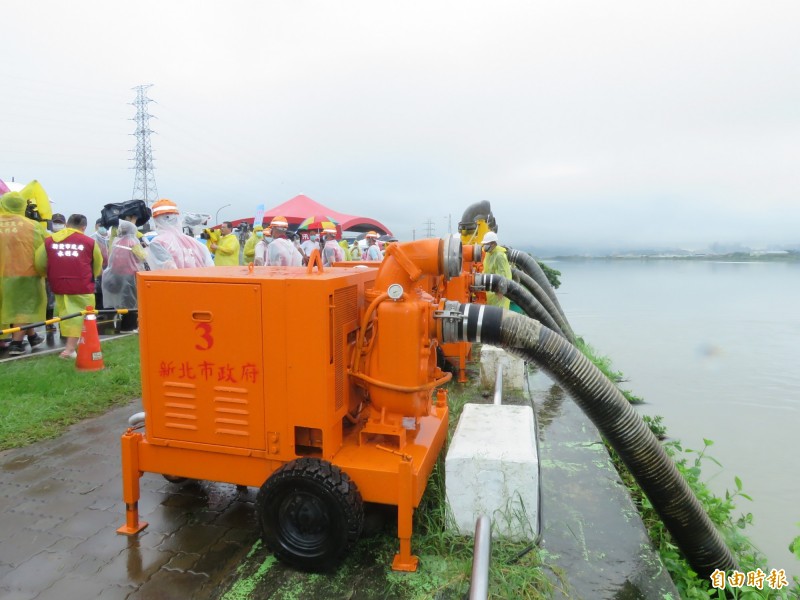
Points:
[(260, 258), (281, 252), (119, 280), (372, 252), (332, 252), (171, 248)]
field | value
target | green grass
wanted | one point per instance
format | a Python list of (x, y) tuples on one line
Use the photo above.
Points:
[(515, 570), (42, 396)]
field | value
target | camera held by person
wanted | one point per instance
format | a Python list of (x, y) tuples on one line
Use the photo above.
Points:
[(32, 211)]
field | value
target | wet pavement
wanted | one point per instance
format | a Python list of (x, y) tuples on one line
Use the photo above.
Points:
[(591, 527), (60, 505)]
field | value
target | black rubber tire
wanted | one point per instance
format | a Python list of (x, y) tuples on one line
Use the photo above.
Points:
[(175, 479), (310, 514)]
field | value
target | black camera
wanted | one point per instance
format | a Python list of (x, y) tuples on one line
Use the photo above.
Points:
[(112, 212), (32, 211), (205, 235)]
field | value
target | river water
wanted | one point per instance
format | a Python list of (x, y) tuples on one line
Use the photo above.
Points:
[(714, 348)]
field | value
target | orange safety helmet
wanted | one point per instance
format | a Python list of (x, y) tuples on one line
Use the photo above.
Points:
[(331, 230), (164, 207), (372, 234), (279, 222)]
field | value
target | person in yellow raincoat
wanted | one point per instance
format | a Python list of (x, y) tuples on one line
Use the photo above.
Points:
[(346, 247), (226, 251), (23, 299), (250, 245), (495, 262)]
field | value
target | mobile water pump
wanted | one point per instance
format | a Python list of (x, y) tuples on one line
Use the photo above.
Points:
[(318, 386)]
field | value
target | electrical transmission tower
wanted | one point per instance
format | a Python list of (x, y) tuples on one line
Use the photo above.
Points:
[(144, 184), (430, 228)]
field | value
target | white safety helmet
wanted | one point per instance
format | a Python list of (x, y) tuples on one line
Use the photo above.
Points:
[(489, 238)]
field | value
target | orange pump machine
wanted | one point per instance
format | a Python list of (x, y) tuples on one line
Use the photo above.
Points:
[(318, 386)]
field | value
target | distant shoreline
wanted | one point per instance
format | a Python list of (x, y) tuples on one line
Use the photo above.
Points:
[(732, 257)]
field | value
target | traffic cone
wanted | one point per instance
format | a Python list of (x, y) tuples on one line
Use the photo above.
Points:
[(90, 356)]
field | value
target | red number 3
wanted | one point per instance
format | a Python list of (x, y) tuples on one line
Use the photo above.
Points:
[(205, 328)]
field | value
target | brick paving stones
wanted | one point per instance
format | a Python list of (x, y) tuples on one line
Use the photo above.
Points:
[(60, 505)]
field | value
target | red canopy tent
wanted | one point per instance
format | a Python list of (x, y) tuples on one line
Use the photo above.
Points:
[(301, 206)]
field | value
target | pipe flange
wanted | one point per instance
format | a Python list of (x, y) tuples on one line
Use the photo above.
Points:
[(451, 258), (477, 253)]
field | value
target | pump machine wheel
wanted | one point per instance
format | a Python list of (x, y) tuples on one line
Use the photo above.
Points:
[(310, 513)]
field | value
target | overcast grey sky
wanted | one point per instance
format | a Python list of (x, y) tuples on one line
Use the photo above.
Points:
[(626, 123)]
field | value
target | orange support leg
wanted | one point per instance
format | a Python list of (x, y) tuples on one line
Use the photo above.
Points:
[(404, 560), (130, 483)]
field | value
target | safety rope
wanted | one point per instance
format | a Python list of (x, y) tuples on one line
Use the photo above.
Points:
[(119, 311)]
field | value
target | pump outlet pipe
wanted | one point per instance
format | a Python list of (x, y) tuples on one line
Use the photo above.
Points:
[(528, 264), (604, 404), (521, 296), (474, 212)]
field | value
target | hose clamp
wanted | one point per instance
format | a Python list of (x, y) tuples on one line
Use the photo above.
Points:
[(452, 319), (479, 283)]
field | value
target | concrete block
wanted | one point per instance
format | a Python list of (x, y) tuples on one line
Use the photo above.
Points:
[(492, 468), (493, 358)]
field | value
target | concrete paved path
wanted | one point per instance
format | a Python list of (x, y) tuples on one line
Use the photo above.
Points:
[(61, 502)]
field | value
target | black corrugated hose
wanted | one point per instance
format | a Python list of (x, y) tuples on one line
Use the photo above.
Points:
[(536, 290), (620, 424), (521, 296), (528, 264)]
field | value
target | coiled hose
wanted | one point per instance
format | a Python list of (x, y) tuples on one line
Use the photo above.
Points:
[(528, 264), (620, 424), (517, 293)]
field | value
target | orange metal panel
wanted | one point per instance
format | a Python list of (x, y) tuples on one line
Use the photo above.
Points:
[(206, 374)]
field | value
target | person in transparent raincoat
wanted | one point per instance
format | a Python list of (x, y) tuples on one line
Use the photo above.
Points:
[(171, 248), (281, 252), (119, 280), (331, 252)]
